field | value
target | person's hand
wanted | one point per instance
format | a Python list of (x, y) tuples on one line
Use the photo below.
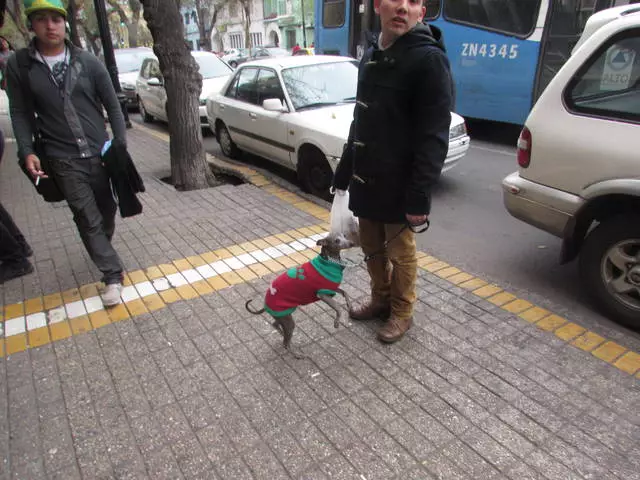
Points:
[(416, 220), (32, 163)]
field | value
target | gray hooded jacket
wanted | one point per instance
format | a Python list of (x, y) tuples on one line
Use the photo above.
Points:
[(70, 120)]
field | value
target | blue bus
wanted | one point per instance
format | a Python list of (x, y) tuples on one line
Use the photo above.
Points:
[(503, 53)]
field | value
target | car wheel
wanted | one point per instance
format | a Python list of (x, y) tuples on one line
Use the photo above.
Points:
[(146, 118), (314, 173), (233, 64), (610, 268), (227, 145)]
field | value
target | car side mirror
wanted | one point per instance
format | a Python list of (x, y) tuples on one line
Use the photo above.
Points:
[(154, 82), (273, 105)]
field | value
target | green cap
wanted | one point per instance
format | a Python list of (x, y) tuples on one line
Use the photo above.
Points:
[(31, 6)]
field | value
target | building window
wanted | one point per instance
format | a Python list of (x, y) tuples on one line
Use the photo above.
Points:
[(194, 17), (256, 39), (186, 19), (517, 17), (236, 41), (333, 12), (291, 38)]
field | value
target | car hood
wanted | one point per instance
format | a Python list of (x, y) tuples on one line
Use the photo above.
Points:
[(334, 120), (213, 85), (129, 77)]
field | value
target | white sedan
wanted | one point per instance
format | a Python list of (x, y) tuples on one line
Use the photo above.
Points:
[(296, 111), (152, 97)]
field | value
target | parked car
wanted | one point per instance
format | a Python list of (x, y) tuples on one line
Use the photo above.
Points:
[(152, 97), (579, 170), (264, 52), (296, 111), (129, 61), (235, 56), (305, 51)]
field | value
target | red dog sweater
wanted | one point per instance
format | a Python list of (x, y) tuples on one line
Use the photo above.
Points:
[(301, 286)]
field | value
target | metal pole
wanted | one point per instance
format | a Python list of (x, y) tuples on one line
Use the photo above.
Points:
[(109, 56), (304, 27)]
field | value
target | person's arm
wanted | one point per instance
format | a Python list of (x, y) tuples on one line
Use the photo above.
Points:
[(344, 170), (109, 99), (21, 115), (431, 119)]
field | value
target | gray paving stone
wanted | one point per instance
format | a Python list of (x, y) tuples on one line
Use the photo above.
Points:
[(203, 389), (313, 441)]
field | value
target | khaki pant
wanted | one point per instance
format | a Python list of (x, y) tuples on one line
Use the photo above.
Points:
[(393, 272)]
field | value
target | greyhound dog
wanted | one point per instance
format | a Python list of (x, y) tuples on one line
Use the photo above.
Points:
[(318, 279)]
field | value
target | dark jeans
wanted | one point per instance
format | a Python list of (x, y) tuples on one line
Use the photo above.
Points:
[(86, 188), (12, 243)]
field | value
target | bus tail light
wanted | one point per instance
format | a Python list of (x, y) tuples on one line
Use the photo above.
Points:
[(524, 148)]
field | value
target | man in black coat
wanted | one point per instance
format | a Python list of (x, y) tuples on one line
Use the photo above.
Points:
[(397, 145)]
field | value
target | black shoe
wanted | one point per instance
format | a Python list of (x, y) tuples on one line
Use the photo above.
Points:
[(11, 270), (27, 250)]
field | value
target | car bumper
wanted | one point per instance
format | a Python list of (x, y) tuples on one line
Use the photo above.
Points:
[(457, 149), (204, 121), (546, 208), (131, 99)]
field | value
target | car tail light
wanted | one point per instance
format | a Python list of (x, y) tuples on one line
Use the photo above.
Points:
[(524, 148)]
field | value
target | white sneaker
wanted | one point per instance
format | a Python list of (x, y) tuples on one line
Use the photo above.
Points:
[(111, 295)]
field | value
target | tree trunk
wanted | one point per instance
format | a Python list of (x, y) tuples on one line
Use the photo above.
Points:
[(72, 10), (246, 7), (217, 8), (183, 84), (14, 11), (90, 37), (201, 10), (134, 23)]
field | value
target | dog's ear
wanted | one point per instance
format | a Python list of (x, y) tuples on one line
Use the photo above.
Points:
[(322, 242)]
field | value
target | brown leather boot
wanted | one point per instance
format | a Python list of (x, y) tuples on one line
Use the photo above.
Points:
[(370, 311), (394, 329)]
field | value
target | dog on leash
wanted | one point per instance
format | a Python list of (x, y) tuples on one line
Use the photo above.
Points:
[(318, 279)]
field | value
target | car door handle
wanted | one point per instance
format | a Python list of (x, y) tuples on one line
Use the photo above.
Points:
[(222, 107), (253, 115)]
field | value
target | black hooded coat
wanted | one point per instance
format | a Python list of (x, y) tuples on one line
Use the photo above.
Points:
[(399, 136)]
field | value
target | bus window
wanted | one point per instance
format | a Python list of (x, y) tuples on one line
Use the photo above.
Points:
[(517, 17), (433, 9), (333, 13)]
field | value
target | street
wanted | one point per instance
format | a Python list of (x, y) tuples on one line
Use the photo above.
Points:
[(471, 230)]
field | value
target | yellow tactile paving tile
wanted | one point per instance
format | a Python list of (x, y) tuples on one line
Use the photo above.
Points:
[(534, 314)]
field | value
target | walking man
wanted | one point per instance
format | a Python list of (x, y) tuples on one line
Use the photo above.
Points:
[(69, 88), (397, 145)]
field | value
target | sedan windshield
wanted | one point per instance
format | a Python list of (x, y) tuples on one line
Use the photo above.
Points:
[(321, 84), (211, 66), (128, 62)]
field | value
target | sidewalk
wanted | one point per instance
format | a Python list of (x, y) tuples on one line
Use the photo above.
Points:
[(181, 382)]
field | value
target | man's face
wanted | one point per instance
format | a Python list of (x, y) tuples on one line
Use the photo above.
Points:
[(397, 17), (49, 27)]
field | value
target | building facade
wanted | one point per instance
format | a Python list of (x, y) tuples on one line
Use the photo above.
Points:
[(273, 23), (190, 24)]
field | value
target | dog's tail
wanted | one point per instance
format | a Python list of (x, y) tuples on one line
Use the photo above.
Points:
[(255, 312)]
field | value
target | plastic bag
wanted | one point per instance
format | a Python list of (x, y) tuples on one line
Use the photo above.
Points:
[(343, 221)]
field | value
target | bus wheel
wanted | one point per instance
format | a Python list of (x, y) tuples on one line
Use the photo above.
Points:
[(314, 172)]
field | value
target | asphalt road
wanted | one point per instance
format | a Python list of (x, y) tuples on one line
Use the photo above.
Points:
[(471, 230)]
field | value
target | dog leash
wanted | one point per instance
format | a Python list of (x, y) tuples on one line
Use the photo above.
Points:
[(414, 228)]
